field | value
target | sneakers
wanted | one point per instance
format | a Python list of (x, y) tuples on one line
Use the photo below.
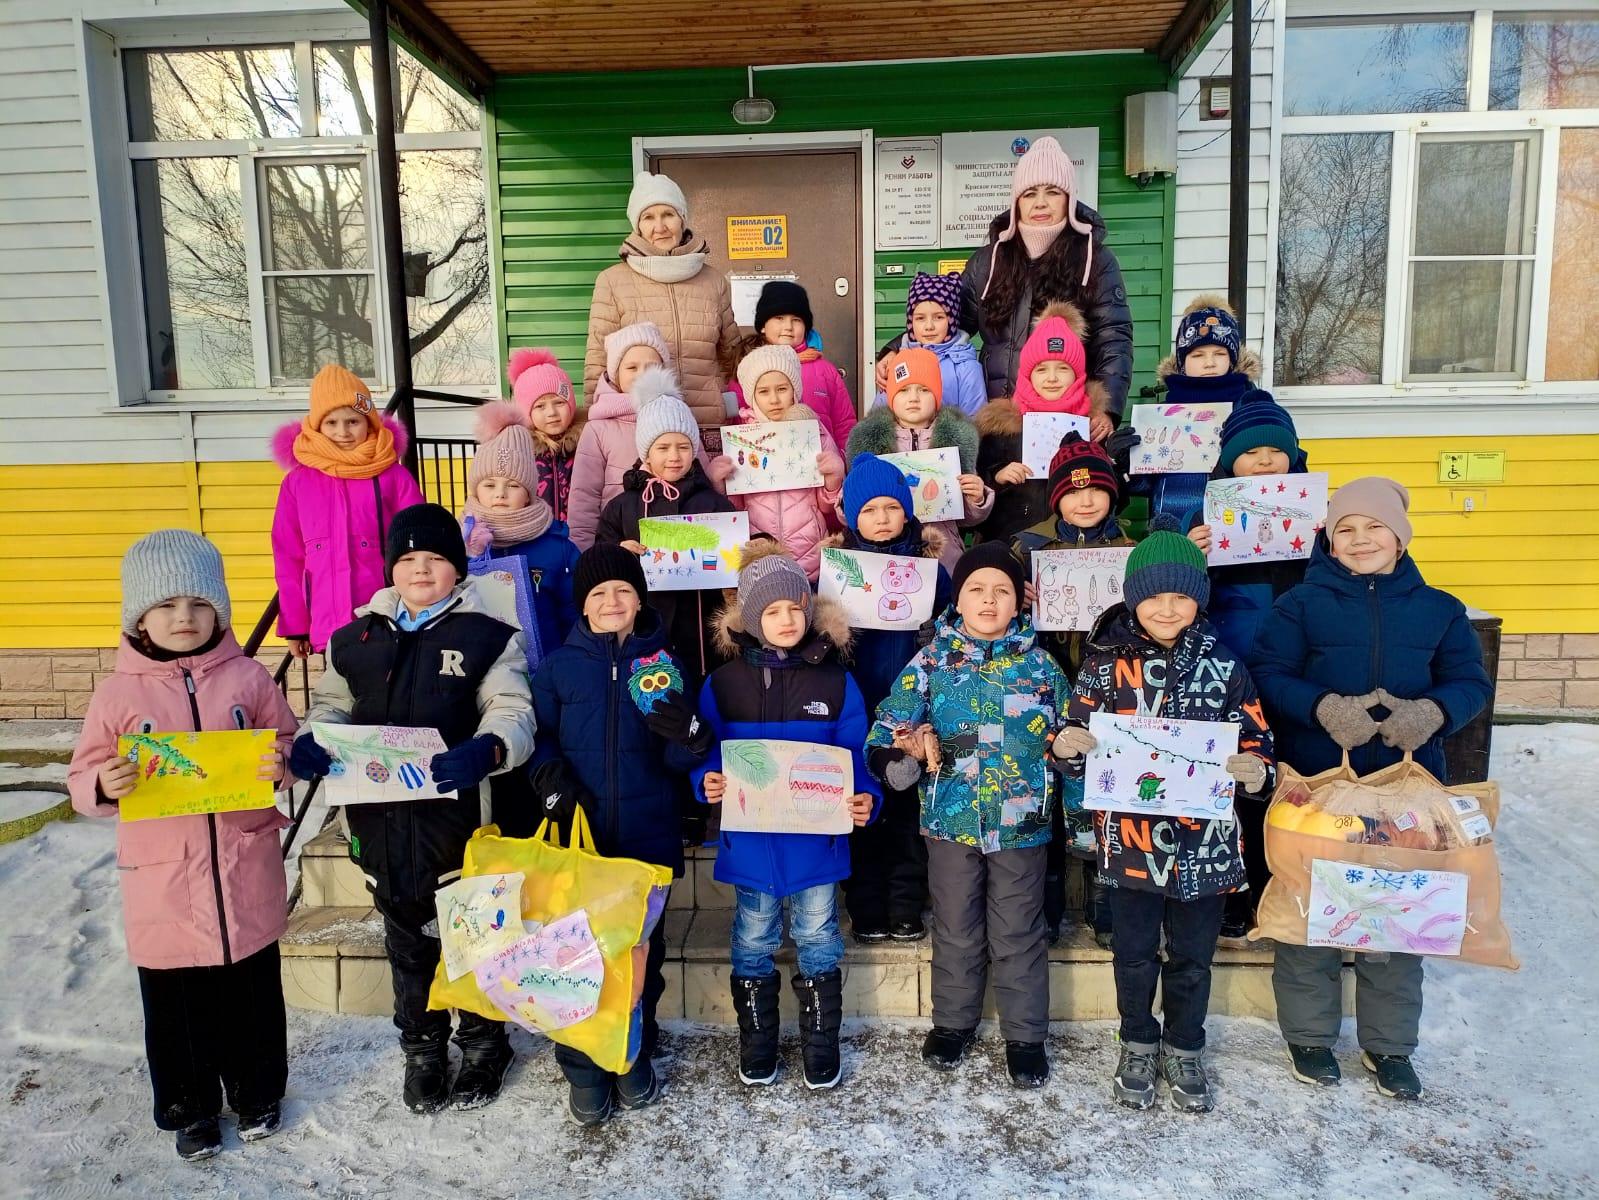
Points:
[(1314, 1064), (821, 1001), (427, 1072), (944, 1048), (589, 1106), (907, 931), (870, 933), (640, 1087), (258, 1123), (755, 1002), (1136, 1073), (199, 1141), (1027, 1063), (482, 1072), (1395, 1077), (1185, 1076)]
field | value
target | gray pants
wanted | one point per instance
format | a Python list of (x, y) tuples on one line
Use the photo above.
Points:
[(1308, 983), (989, 908)]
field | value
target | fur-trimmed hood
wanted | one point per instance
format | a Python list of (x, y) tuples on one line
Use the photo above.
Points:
[(932, 544), (564, 446), (875, 434), (1000, 416), (283, 441), (1248, 365), (827, 632)]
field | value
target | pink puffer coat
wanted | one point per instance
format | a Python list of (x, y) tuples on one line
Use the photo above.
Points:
[(327, 538), (825, 392), (179, 910)]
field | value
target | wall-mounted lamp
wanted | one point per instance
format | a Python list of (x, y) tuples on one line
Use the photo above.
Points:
[(753, 109)]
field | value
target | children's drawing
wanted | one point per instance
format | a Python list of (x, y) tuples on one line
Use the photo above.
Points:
[(506, 592), (184, 774), (478, 917), (1361, 907), (878, 591), (775, 786), (692, 552), (378, 764), (1160, 766), (549, 979), (773, 456), (1042, 434), (1177, 437), (652, 678), (1074, 586), (1264, 517), (934, 479)]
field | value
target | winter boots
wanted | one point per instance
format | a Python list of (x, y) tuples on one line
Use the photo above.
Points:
[(1027, 1064), (1395, 1077), (258, 1123), (1136, 1073), (821, 1000), (1185, 1076), (944, 1048), (200, 1140), (755, 1002), (1314, 1064), (427, 1071), (484, 1061)]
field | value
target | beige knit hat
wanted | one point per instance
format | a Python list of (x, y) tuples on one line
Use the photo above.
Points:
[(1375, 497), (505, 448), (769, 358)]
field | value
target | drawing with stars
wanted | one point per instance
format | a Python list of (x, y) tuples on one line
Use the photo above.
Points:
[(1264, 517)]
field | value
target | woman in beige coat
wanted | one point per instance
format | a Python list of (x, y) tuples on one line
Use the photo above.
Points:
[(663, 277)]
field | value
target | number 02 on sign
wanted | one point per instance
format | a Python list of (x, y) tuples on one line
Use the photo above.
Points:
[(758, 237)]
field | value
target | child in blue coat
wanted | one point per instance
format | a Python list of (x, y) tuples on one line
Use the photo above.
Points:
[(1363, 658), (887, 888), (785, 681), (615, 734)]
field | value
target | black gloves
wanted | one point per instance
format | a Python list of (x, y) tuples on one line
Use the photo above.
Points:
[(673, 718), (558, 793)]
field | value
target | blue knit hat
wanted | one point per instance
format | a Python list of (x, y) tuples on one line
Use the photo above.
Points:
[(1208, 325), (1165, 561), (1257, 420), (870, 477)]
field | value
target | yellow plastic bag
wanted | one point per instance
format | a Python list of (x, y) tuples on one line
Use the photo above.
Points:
[(558, 881)]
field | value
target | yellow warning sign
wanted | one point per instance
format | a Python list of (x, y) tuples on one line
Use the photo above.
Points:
[(951, 266), (1482, 466), (758, 237)]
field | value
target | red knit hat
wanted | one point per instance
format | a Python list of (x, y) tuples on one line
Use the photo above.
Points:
[(1058, 337), (915, 365), (1080, 464)]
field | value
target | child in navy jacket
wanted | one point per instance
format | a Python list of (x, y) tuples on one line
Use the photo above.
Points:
[(785, 682)]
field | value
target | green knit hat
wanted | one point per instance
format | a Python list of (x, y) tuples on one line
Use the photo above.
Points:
[(1165, 561)]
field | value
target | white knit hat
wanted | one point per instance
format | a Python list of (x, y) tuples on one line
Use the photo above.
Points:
[(168, 563), (769, 358), (654, 189), (660, 410)]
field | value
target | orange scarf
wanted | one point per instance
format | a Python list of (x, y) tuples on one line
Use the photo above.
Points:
[(314, 449)]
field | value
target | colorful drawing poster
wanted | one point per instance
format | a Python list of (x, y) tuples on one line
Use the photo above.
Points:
[(1042, 433), (478, 917), (775, 786), (184, 774), (1160, 766), (547, 980), (1074, 586), (934, 479), (879, 591), (694, 551), (772, 456), (378, 764), (1264, 517), (1177, 438), (1400, 912)]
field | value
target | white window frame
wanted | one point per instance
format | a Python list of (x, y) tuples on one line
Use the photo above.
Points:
[(1405, 130), (252, 155)]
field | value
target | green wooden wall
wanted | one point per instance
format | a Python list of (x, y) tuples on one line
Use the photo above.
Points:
[(563, 164)]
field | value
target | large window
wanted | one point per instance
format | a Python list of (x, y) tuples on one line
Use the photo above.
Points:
[(1437, 191), (254, 178)]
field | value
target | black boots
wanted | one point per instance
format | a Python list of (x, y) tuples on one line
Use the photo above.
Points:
[(484, 1061), (427, 1071), (200, 1140), (1027, 1063), (821, 1000), (755, 1002), (944, 1048)]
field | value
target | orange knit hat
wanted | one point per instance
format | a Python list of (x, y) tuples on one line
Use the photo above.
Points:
[(339, 387), (915, 366)]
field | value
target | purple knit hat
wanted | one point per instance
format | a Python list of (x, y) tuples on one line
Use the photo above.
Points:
[(943, 290)]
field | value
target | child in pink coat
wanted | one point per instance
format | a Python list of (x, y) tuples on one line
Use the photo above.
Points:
[(344, 485), (795, 517), (543, 394), (203, 897), (783, 318)]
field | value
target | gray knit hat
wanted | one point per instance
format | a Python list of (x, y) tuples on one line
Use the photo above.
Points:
[(168, 563), (660, 405), (772, 577)]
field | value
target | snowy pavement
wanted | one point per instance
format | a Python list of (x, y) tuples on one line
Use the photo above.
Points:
[(1510, 1062)]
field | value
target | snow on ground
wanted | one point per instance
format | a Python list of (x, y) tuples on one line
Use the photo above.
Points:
[(1510, 1062)]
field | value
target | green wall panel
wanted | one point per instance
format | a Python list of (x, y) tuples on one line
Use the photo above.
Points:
[(563, 149)]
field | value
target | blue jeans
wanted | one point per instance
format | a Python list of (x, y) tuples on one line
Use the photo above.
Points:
[(812, 922)]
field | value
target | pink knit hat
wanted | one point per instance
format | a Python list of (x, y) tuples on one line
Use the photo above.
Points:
[(644, 333), (537, 373), (505, 448), (1046, 163), (1058, 337)]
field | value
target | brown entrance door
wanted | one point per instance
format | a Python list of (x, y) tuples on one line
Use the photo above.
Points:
[(819, 192)]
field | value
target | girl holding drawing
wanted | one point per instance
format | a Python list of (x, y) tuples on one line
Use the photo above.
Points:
[(203, 896)]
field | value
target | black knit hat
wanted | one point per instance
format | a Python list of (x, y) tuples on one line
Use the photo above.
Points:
[(783, 298), (603, 564), (1080, 463), (989, 554), (424, 527)]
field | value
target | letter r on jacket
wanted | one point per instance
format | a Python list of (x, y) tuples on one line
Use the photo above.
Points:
[(452, 663)]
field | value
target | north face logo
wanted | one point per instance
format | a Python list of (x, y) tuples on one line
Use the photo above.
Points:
[(818, 708)]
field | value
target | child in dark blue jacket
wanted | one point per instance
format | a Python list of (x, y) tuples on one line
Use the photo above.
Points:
[(1363, 658), (785, 681), (613, 728), (886, 892)]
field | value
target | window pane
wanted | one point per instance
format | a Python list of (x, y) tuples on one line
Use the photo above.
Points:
[(316, 320), (429, 105), (1544, 62), (316, 217), (199, 95), (196, 301), (448, 284), (1413, 66), (1573, 347), (1332, 258), (1469, 318), (343, 88), (1475, 197)]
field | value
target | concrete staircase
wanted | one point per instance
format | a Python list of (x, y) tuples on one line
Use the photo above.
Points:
[(333, 956)]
